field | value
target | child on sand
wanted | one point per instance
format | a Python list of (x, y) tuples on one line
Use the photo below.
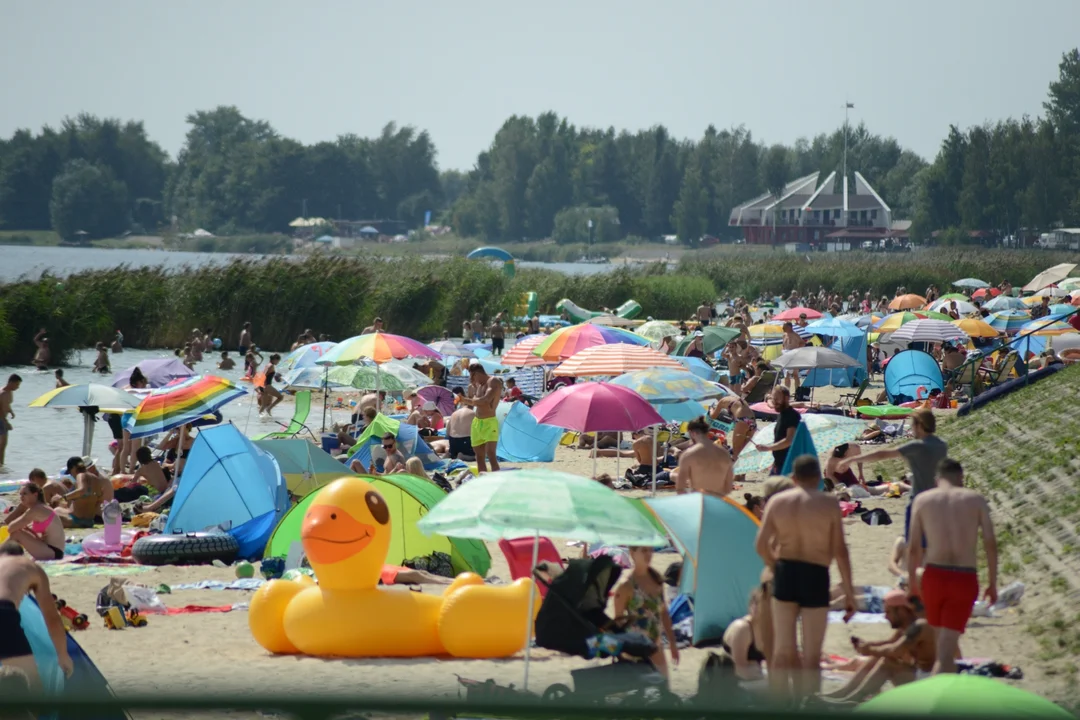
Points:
[(639, 597)]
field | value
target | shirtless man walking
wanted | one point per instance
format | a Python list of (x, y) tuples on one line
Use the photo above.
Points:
[(704, 467), (792, 341), (485, 426), (800, 537), (6, 398), (951, 518), (20, 575)]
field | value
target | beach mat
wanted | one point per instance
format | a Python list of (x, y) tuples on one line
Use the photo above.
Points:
[(65, 569)]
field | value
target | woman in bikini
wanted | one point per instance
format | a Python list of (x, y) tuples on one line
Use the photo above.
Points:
[(845, 476), (639, 598), (35, 525), (739, 641)]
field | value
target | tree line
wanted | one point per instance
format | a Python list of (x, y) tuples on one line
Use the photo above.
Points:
[(541, 177)]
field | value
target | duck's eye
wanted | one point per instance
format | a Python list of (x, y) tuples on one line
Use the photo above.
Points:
[(333, 516), (377, 507)]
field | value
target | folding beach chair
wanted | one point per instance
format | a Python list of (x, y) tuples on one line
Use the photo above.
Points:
[(519, 553), (296, 425), (851, 400)]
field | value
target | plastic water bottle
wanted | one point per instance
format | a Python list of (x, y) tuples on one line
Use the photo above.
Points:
[(111, 514)]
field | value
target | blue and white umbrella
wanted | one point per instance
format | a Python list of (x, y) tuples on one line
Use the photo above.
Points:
[(835, 327), (973, 283)]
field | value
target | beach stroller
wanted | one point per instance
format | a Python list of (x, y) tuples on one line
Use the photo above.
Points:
[(573, 620)]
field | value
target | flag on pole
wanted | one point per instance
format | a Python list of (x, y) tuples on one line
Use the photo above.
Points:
[(850, 106)]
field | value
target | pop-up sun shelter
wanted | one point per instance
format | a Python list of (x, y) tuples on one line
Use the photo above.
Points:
[(229, 481), (409, 499), (720, 566), (908, 371), (304, 465), (522, 439), (409, 442)]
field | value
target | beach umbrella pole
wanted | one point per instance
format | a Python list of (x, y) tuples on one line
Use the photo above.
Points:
[(532, 606), (618, 455), (325, 393), (88, 431), (655, 432)]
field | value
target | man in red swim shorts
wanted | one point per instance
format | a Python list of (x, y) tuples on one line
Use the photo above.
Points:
[(951, 518)]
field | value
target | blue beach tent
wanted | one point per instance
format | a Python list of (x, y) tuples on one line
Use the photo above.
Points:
[(229, 481), (720, 566), (854, 346), (522, 439), (908, 371)]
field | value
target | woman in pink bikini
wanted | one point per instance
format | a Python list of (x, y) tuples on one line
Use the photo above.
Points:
[(35, 526)]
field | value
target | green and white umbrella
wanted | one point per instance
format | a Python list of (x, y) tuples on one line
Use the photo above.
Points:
[(535, 503), (391, 377), (827, 431), (656, 330)]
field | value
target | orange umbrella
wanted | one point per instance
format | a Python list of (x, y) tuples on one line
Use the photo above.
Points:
[(908, 302), (615, 359)]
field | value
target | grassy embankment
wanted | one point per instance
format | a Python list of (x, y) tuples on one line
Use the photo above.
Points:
[(1023, 453), (283, 296)]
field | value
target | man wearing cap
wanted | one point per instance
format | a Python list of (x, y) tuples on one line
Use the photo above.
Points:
[(485, 426), (908, 655)]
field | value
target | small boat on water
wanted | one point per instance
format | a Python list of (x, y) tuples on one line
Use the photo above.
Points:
[(593, 259)]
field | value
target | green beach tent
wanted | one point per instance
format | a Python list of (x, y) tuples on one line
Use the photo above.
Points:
[(409, 499)]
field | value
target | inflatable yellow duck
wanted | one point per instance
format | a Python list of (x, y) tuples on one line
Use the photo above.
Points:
[(345, 534)]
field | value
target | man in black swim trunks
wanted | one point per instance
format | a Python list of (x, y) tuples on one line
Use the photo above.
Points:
[(19, 575), (800, 537)]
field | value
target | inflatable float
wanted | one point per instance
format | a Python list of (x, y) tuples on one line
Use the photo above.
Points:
[(345, 535), (999, 391), (628, 311), (494, 253)]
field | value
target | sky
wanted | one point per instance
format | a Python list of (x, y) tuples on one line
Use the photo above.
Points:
[(321, 68)]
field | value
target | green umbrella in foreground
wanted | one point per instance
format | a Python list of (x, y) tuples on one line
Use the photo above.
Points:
[(959, 695), (535, 503), (715, 338), (388, 376), (526, 503)]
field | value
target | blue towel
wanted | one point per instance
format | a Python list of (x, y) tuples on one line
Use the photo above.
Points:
[(801, 444)]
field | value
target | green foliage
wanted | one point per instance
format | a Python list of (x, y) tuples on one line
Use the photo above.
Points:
[(88, 198), (572, 225), (744, 271)]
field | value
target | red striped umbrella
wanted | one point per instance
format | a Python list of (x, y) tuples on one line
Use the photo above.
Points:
[(615, 359), (521, 355)]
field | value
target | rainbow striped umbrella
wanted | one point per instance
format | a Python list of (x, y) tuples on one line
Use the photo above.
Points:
[(892, 323), (1046, 326), (377, 347), (181, 403), (564, 342)]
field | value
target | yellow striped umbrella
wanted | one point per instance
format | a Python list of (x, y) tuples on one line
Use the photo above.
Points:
[(976, 328), (615, 359)]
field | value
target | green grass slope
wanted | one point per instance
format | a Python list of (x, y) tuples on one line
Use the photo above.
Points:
[(1023, 453)]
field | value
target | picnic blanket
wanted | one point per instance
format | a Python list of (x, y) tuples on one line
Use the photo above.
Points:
[(69, 569), (238, 584)]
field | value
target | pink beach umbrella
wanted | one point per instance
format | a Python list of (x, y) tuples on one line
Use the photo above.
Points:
[(795, 312), (596, 407), (443, 398)]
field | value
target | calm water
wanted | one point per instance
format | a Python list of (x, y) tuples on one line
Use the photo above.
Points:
[(46, 438), (18, 261)]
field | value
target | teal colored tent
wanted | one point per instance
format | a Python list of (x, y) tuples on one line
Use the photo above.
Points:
[(720, 566), (304, 465), (409, 442), (229, 481), (522, 439), (409, 499)]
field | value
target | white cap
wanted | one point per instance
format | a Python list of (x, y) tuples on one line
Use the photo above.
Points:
[(429, 406)]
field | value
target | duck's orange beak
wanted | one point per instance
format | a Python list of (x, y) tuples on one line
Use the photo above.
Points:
[(330, 534)]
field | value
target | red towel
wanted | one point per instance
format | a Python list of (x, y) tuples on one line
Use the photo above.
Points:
[(188, 609)]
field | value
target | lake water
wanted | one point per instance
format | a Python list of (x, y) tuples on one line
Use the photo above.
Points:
[(17, 261), (46, 437)]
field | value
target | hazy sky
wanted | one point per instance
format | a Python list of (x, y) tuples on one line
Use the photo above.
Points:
[(320, 68)]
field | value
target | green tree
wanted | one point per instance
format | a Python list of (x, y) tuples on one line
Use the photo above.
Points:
[(691, 214), (572, 225), (88, 198)]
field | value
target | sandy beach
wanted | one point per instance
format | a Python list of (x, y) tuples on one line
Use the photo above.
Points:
[(215, 651)]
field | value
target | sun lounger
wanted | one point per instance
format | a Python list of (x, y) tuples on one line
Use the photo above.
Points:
[(296, 425)]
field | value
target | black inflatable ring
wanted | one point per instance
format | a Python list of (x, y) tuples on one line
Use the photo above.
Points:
[(185, 549)]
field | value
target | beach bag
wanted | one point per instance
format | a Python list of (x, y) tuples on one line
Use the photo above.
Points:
[(877, 516), (437, 563)]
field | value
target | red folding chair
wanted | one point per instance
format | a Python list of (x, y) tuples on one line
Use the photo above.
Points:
[(519, 553)]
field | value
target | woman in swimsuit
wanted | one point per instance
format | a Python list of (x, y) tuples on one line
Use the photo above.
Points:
[(639, 598), (845, 476), (35, 526), (271, 396), (739, 641)]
